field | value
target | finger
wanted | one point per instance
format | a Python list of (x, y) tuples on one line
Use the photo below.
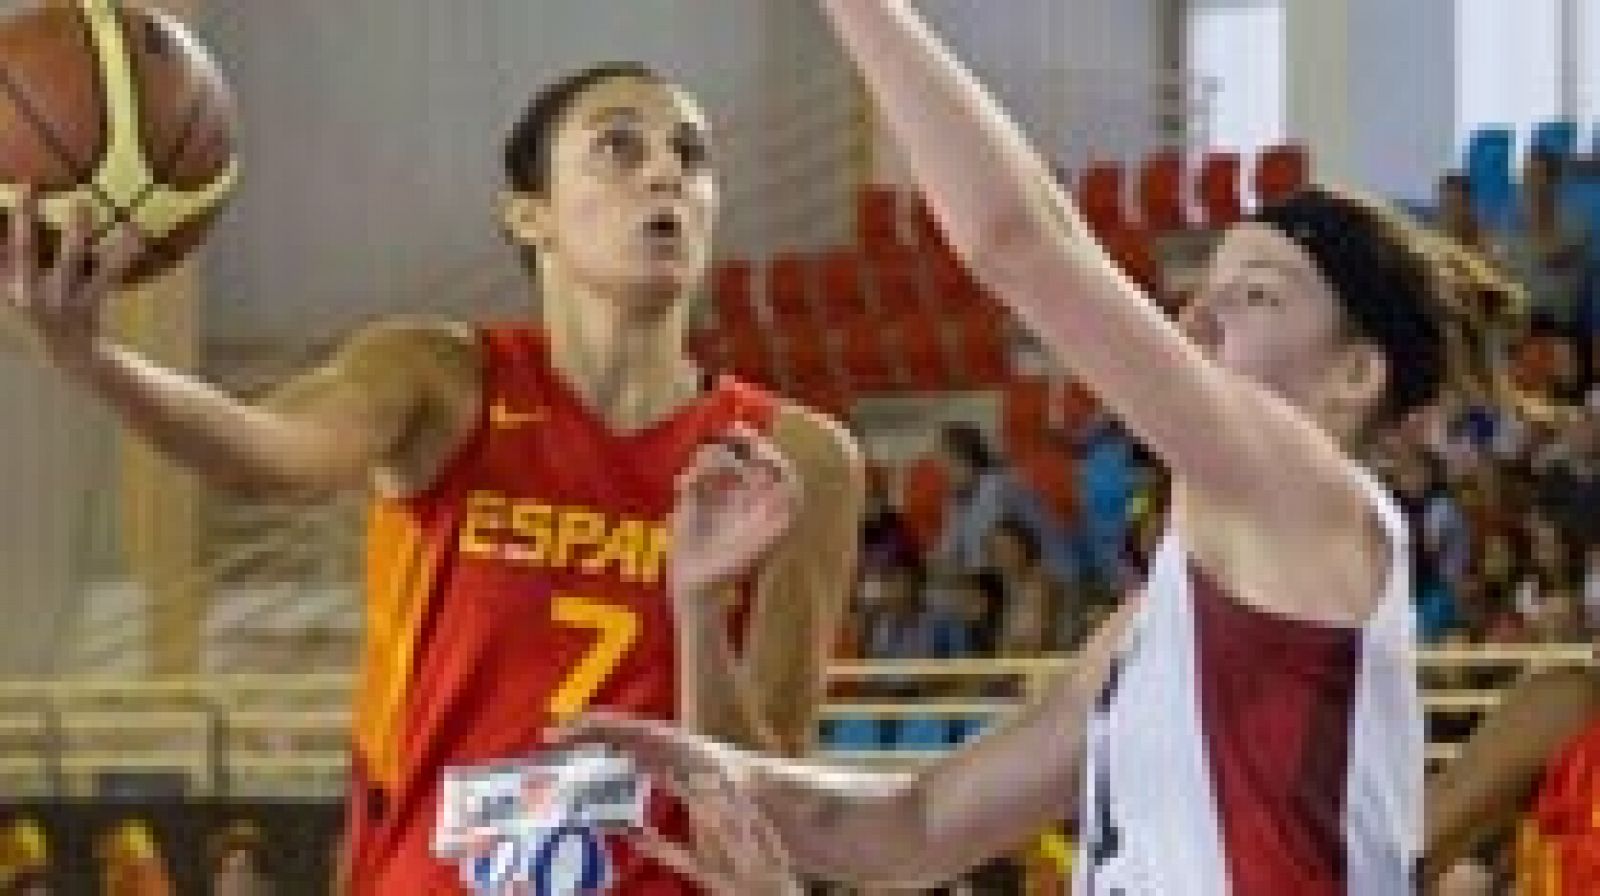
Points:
[(663, 751), (21, 242), (116, 256), (70, 265), (751, 447), (680, 860)]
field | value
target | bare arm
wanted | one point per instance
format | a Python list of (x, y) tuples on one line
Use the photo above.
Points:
[(329, 432), (1019, 231), (888, 829), (326, 431), (767, 699), (1486, 789), (803, 587)]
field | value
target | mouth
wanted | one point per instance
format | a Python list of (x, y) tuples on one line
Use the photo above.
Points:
[(664, 230)]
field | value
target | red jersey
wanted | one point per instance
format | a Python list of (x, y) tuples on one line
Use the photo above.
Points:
[(528, 583), (1559, 846)]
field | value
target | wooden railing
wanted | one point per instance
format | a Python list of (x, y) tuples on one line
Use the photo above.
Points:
[(276, 735)]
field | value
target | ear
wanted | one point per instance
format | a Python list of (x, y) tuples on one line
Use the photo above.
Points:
[(1365, 375), (525, 218)]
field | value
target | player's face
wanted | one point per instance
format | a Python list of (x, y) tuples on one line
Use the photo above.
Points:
[(1266, 312), (634, 192)]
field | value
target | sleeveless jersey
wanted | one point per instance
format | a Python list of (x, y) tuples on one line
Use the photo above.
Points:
[(1235, 752), (1558, 849), (526, 584)]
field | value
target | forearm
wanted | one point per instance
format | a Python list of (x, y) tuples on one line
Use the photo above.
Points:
[(1022, 236), (980, 174), (715, 697), (223, 439)]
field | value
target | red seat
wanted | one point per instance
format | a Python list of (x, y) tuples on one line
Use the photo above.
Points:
[(866, 364), (1220, 199), (1162, 205), (1025, 413), (925, 500), (1133, 251), (985, 347), (732, 292), (897, 283), (844, 292), (922, 352), (788, 289), (1048, 470), (1100, 196), (1281, 171), (705, 347), (747, 355), (928, 235), (804, 355), (826, 395), (878, 219)]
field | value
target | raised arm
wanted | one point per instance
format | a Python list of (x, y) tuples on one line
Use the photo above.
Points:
[(331, 429), (998, 203)]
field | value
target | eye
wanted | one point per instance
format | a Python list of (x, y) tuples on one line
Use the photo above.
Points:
[(1259, 297), (621, 145), (692, 152)]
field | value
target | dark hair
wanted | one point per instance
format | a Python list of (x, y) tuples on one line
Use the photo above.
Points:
[(1457, 180), (528, 149), (1023, 534), (966, 442), (1426, 302), (1546, 158)]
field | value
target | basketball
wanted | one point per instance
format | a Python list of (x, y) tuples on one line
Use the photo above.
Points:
[(118, 106)]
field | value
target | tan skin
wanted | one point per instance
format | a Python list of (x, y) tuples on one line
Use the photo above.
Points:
[(401, 397), (1249, 404), (1485, 790)]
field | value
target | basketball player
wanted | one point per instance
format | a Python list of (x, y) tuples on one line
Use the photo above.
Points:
[(1534, 760), (1251, 724), (517, 568)]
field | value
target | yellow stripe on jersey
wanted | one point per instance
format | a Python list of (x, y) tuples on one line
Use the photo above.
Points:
[(397, 588)]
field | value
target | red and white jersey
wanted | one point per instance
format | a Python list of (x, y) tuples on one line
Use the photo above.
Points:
[(1235, 752)]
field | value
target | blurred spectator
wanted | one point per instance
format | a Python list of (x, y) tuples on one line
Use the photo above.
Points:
[(985, 490), (1106, 482), (886, 539), (1034, 617), (236, 862), (1457, 219), (1568, 479), (1546, 251)]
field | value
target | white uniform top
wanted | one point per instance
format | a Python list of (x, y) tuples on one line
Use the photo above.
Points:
[(1234, 752)]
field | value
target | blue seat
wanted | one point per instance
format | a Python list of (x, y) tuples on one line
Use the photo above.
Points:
[(1488, 167), (1559, 137), (854, 733), (923, 733)]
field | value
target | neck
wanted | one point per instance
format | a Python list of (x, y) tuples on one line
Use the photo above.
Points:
[(624, 357)]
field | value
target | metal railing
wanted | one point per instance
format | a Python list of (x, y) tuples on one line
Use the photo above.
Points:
[(287, 735)]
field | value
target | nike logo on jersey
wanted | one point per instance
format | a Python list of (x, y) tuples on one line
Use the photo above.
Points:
[(503, 417)]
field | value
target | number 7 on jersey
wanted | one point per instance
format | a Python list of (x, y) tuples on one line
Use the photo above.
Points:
[(616, 629)]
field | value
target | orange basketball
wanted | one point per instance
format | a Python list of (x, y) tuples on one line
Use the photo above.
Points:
[(120, 106)]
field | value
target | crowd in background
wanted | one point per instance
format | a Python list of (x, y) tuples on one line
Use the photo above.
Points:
[(1501, 493)]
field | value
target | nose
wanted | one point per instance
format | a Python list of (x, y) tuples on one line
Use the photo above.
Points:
[(1200, 323), (664, 172)]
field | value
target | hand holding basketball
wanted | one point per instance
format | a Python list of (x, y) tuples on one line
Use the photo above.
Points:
[(63, 301)]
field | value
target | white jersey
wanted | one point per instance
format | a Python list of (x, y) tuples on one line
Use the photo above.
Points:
[(1235, 752)]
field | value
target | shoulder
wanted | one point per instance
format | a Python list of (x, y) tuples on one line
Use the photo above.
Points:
[(429, 350), (823, 452)]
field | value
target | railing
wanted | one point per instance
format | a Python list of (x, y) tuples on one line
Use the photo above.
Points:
[(283, 735)]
